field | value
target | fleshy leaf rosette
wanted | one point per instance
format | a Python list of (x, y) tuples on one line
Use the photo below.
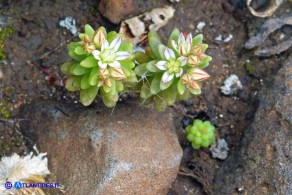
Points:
[(102, 63), (201, 134), (173, 72)]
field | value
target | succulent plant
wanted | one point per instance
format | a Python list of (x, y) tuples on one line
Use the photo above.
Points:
[(201, 134), (173, 72), (101, 63)]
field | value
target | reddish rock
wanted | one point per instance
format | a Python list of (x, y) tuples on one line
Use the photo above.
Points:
[(116, 10), (133, 150)]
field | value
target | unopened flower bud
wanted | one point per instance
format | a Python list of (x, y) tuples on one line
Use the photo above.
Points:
[(202, 56), (189, 82), (199, 74), (86, 39), (103, 74), (118, 74), (108, 82), (89, 48), (99, 36), (198, 50), (193, 61)]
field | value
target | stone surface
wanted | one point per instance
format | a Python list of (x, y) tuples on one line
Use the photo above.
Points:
[(263, 164), (116, 10), (133, 150)]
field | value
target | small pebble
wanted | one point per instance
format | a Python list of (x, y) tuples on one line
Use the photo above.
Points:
[(282, 36), (191, 26), (220, 149), (218, 38), (174, 1), (70, 24), (231, 85), (227, 39), (201, 25), (221, 115), (1, 75), (185, 188), (241, 189)]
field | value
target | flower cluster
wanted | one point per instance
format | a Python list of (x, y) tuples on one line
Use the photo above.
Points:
[(173, 72), (201, 134), (101, 63), (104, 63)]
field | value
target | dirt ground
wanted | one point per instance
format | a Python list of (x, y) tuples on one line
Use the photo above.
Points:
[(37, 47)]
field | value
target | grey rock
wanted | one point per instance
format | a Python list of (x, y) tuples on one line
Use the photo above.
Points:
[(231, 85), (70, 24), (263, 163), (269, 27), (133, 150), (3, 21), (277, 49), (220, 149)]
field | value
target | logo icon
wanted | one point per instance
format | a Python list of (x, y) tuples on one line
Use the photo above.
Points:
[(17, 185), (8, 185)]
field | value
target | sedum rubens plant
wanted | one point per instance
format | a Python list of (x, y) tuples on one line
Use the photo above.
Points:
[(173, 72), (101, 63)]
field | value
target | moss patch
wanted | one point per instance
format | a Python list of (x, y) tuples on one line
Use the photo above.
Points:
[(6, 104), (4, 33)]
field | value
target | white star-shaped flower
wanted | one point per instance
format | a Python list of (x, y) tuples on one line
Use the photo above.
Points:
[(109, 54), (172, 66)]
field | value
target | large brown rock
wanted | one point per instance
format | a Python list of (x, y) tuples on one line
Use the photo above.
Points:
[(133, 150), (116, 10), (263, 164)]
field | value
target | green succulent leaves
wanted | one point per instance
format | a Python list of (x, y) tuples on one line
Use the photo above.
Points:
[(174, 71), (102, 63), (201, 134)]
